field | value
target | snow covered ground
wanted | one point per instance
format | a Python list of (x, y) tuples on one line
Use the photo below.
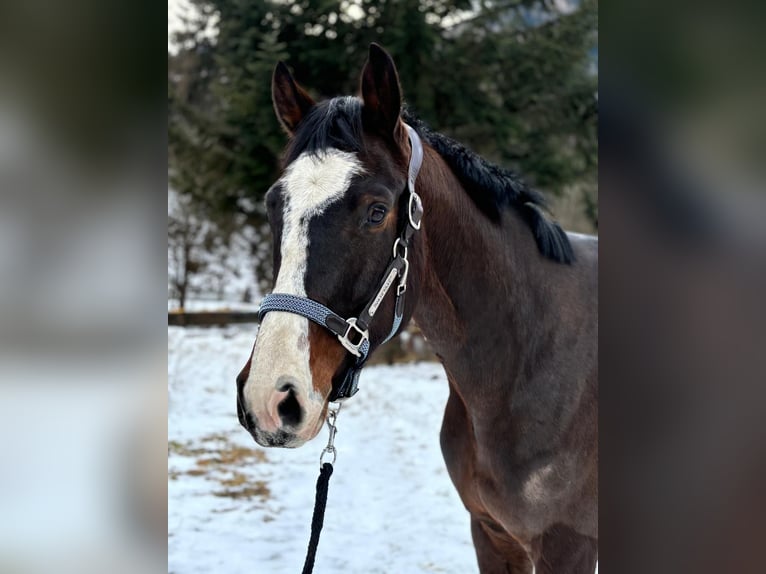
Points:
[(235, 507)]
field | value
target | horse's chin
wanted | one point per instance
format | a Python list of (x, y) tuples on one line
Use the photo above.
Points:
[(284, 439), (279, 439)]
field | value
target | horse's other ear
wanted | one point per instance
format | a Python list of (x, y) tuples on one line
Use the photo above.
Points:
[(381, 92), (291, 102)]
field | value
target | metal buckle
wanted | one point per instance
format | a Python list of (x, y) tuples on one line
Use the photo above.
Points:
[(415, 198), (353, 348)]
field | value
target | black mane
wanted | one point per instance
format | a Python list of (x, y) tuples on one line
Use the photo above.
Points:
[(337, 123), (493, 188)]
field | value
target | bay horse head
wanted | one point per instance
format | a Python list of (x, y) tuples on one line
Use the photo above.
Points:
[(335, 212)]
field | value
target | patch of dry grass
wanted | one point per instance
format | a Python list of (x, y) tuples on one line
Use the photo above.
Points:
[(218, 459), (256, 489)]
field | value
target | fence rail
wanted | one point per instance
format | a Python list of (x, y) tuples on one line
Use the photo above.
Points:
[(210, 318)]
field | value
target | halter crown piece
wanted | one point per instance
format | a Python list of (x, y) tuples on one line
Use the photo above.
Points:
[(353, 333)]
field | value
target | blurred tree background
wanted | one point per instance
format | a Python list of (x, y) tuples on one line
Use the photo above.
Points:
[(515, 80)]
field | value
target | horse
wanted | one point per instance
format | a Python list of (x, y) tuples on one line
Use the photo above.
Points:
[(505, 297)]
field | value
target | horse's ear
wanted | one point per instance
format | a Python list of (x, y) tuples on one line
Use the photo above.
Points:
[(291, 102), (381, 92)]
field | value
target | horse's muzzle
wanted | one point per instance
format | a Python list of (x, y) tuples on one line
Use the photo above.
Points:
[(280, 437)]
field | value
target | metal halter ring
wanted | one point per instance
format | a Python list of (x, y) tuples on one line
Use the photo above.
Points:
[(351, 347), (418, 210), (328, 450)]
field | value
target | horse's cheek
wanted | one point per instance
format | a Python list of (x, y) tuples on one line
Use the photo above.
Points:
[(325, 356)]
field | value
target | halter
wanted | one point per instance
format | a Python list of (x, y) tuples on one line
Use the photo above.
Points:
[(353, 333)]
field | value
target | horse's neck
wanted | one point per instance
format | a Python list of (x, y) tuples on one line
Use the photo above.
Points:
[(475, 277)]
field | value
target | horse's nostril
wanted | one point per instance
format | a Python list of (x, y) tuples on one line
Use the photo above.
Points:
[(290, 412), (286, 386)]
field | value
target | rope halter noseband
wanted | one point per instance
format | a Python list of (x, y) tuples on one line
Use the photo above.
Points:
[(353, 333)]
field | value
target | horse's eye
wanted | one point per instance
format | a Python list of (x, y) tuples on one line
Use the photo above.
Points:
[(377, 213)]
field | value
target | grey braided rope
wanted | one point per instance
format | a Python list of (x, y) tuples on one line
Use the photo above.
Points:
[(294, 304)]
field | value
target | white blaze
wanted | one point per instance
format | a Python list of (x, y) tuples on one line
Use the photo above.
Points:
[(309, 185)]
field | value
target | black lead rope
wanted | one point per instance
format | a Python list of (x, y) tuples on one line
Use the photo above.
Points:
[(318, 518), (320, 502)]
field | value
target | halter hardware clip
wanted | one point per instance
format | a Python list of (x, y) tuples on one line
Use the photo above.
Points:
[(332, 416), (402, 286), (401, 245)]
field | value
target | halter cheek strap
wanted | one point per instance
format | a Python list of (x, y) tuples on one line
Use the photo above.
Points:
[(353, 333)]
